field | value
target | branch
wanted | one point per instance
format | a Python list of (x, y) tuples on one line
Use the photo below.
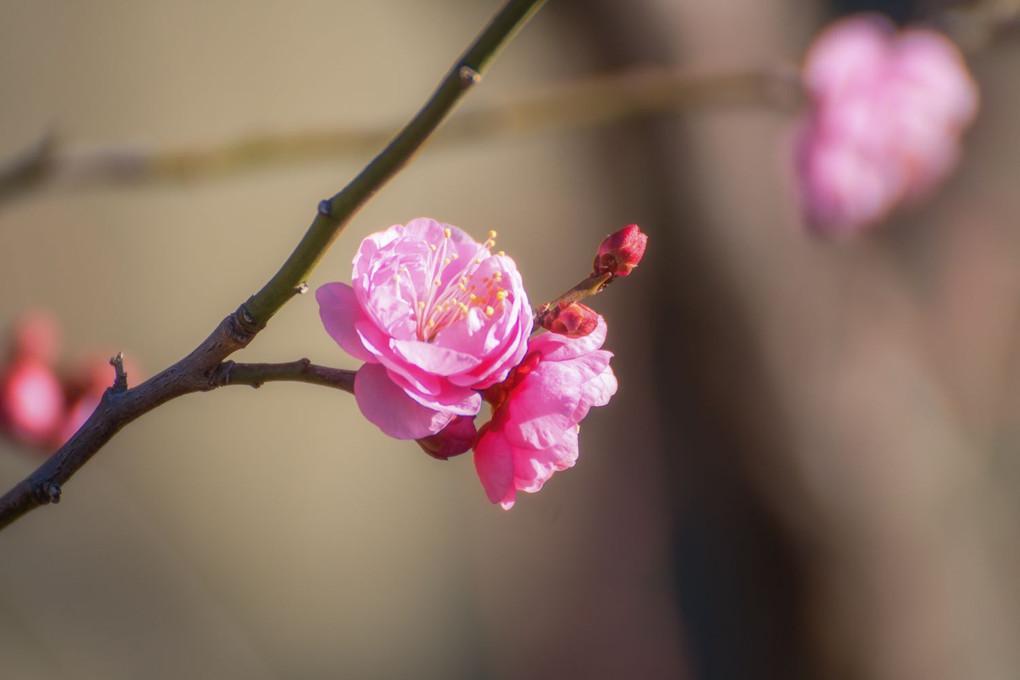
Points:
[(200, 370), (597, 100), (302, 370)]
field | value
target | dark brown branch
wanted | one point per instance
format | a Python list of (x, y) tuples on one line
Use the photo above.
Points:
[(302, 370), (119, 407)]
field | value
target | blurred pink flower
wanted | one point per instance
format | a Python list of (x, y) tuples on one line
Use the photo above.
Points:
[(31, 402), (436, 317), (536, 411), (31, 398), (885, 115)]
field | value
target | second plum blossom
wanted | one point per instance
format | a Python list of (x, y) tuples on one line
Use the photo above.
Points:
[(536, 412), (436, 317), (885, 115)]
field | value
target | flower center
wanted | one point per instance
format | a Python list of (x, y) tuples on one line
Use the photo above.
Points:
[(444, 303)]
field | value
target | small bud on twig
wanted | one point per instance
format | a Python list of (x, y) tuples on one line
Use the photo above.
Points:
[(620, 252), (571, 319)]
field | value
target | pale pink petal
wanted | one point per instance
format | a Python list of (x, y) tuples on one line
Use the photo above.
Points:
[(387, 406), (494, 463), (433, 358), (461, 401), (339, 312)]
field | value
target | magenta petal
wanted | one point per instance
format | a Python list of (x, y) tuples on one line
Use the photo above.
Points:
[(494, 463), (533, 468), (339, 311), (387, 406), (542, 408)]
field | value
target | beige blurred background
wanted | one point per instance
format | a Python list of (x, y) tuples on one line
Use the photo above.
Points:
[(809, 470)]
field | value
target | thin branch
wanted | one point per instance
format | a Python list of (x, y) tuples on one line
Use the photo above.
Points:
[(302, 370), (200, 370), (584, 103)]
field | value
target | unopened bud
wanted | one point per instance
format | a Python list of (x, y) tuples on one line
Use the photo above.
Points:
[(620, 252), (572, 319), (456, 438)]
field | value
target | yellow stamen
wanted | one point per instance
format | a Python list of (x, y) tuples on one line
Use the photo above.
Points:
[(446, 232), (489, 311)]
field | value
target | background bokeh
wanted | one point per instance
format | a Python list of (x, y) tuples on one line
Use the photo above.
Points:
[(809, 470)]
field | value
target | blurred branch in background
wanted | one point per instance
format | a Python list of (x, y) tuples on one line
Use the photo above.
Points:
[(582, 103), (52, 163)]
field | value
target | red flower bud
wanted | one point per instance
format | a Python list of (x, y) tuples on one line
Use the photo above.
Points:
[(620, 252), (456, 438), (571, 319)]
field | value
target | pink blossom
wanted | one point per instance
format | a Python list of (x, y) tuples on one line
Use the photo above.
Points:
[(435, 316), (536, 411), (886, 112)]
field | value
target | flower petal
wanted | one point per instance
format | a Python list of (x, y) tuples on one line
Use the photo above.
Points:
[(494, 463), (339, 311), (387, 406), (533, 468), (433, 358)]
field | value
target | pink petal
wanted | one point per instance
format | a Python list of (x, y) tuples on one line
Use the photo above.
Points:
[(445, 397), (542, 408), (387, 406), (339, 311), (494, 463), (533, 468), (433, 358)]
